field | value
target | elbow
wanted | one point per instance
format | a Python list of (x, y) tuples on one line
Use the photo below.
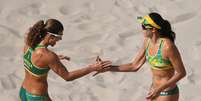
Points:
[(134, 68), (182, 75), (69, 79)]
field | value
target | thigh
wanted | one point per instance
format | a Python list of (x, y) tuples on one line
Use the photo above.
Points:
[(174, 97)]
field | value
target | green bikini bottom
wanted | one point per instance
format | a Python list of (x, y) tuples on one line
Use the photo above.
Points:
[(172, 91), (26, 96)]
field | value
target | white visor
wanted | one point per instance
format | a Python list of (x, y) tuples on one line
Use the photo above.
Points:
[(56, 35)]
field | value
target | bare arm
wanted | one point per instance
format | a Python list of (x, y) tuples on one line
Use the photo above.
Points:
[(131, 67), (135, 65), (175, 58), (56, 65)]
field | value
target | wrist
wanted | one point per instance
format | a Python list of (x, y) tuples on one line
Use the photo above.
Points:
[(113, 68), (90, 68)]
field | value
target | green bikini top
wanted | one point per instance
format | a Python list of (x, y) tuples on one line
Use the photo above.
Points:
[(30, 67), (157, 62)]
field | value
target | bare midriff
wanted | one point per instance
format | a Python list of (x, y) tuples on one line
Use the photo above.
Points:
[(162, 76), (35, 85)]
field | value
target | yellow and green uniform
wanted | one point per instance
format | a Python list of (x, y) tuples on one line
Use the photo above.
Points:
[(26, 96), (157, 62), (172, 91), (35, 71), (30, 67)]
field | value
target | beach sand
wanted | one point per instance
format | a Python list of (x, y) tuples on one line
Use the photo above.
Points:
[(107, 28)]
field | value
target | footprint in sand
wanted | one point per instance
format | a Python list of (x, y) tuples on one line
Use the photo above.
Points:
[(196, 49), (191, 77), (91, 95), (100, 81), (19, 16), (8, 82), (198, 43), (184, 17), (91, 38), (31, 9), (8, 33), (7, 30), (128, 34), (63, 10)]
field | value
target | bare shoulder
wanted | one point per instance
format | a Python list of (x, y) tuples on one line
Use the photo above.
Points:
[(170, 47), (45, 54), (50, 55), (168, 44)]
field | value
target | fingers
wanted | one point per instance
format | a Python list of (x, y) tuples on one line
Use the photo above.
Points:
[(101, 71), (98, 59), (151, 95), (103, 63), (103, 66), (106, 63)]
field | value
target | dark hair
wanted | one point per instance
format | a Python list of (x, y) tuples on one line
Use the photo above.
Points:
[(166, 30), (39, 30)]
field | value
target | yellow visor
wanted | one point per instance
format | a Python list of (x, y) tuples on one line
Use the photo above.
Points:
[(147, 20)]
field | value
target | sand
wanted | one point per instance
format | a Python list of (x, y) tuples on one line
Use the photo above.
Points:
[(98, 27)]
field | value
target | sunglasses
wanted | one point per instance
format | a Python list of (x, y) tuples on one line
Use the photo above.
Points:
[(147, 27)]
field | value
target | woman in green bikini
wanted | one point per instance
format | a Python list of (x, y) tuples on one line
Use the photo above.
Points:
[(163, 56), (38, 60)]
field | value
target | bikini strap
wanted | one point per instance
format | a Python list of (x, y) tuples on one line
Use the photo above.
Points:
[(147, 47), (159, 53)]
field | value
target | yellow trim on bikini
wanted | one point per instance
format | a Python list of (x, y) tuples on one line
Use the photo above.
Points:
[(34, 74), (164, 68)]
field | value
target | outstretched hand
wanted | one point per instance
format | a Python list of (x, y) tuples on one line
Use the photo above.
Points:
[(104, 69), (99, 65), (62, 57)]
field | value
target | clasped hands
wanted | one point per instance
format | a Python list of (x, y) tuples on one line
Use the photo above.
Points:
[(100, 66)]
